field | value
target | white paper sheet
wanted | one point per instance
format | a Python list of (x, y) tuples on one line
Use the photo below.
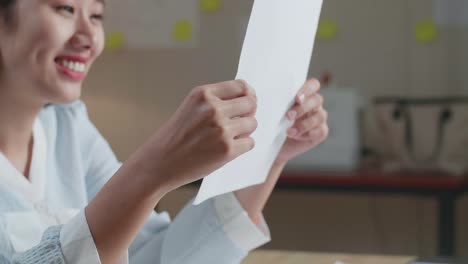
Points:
[(274, 61)]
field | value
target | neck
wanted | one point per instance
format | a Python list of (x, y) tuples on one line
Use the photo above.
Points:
[(17, 115)]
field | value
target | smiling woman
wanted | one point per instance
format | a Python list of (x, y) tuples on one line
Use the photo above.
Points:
[(65, 198), (54, 46)]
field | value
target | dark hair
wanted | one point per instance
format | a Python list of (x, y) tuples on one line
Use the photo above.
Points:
[(5, 8)]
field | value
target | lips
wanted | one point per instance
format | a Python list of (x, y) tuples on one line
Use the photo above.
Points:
[(73, 67)]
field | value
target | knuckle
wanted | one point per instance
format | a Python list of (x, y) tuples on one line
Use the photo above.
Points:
[(197, 91), (212, 112), (251, 103), (251, 143), (222, 132), (205, 94), (255, 123), (224, 141), (252, 124), (244, 86), (324, 131), (242, 82), (325, 115), (227, 148), (315, 82), (216, 109), (200, 93)]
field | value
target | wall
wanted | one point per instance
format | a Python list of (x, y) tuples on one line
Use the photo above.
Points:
[(374, 51), (131, 93)]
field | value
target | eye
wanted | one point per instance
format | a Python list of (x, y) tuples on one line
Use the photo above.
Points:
[(66, 8), (99, 17)]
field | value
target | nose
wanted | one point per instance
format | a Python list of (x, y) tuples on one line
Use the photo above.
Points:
[(85, 36)]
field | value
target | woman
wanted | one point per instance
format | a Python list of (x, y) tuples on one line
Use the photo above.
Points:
[(64, 196)]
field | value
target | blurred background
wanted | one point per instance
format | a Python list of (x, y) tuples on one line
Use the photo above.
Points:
[(391, 177)]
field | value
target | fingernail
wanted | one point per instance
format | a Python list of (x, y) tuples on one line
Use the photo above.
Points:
[(292, 132), (292, 115)]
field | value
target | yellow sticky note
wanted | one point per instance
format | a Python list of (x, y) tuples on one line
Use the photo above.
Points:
[(327, 29), (210, 5), (183, 30), (426, 31), (115, 40)]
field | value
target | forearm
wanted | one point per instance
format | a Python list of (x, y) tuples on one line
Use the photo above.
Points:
[(253, 199), (120, 210)]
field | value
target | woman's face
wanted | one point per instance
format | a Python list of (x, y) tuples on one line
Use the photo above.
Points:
[(48, 47)]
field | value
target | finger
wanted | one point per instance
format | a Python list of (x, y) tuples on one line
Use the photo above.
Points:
[(309, 88), (239, 107), (310, 121), (231, 89), (317, 135), (310, 104), (242, 146), (242, 126)]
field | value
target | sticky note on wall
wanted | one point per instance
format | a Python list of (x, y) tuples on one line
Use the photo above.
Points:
[(210, 6), (183, 30), (426, 31), (115, 40), (327, 29)]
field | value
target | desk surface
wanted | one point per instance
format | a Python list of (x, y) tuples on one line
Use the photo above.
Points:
[(283, 257)]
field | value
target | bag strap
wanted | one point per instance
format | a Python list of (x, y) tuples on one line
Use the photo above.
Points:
[(402, 110)]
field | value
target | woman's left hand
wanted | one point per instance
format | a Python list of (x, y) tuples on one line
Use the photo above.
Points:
[(310, 123), (309, 130)]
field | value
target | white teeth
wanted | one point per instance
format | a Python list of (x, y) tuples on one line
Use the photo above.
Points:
[(74, 65)]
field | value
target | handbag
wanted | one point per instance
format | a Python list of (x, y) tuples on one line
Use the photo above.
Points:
[(423, 133)]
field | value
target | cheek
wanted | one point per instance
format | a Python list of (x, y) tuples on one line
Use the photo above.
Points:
[(41, 39), (100, 42), (53, 37)]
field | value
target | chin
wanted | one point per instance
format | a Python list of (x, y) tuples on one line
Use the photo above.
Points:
[(66, 93)]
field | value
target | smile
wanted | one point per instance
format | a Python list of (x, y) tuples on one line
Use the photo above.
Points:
[(73, 67)]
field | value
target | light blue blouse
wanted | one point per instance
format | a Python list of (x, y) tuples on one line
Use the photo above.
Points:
[(42, 219)]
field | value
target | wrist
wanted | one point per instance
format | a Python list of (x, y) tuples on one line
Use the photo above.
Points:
[(279, 164), (152, 182)]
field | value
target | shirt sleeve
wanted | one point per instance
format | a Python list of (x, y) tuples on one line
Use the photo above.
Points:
[(77, 243), (47, 251), (70, 243), (238, 226), (217, 231)]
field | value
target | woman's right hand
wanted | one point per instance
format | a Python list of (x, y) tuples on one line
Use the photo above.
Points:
[(211, 127)]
